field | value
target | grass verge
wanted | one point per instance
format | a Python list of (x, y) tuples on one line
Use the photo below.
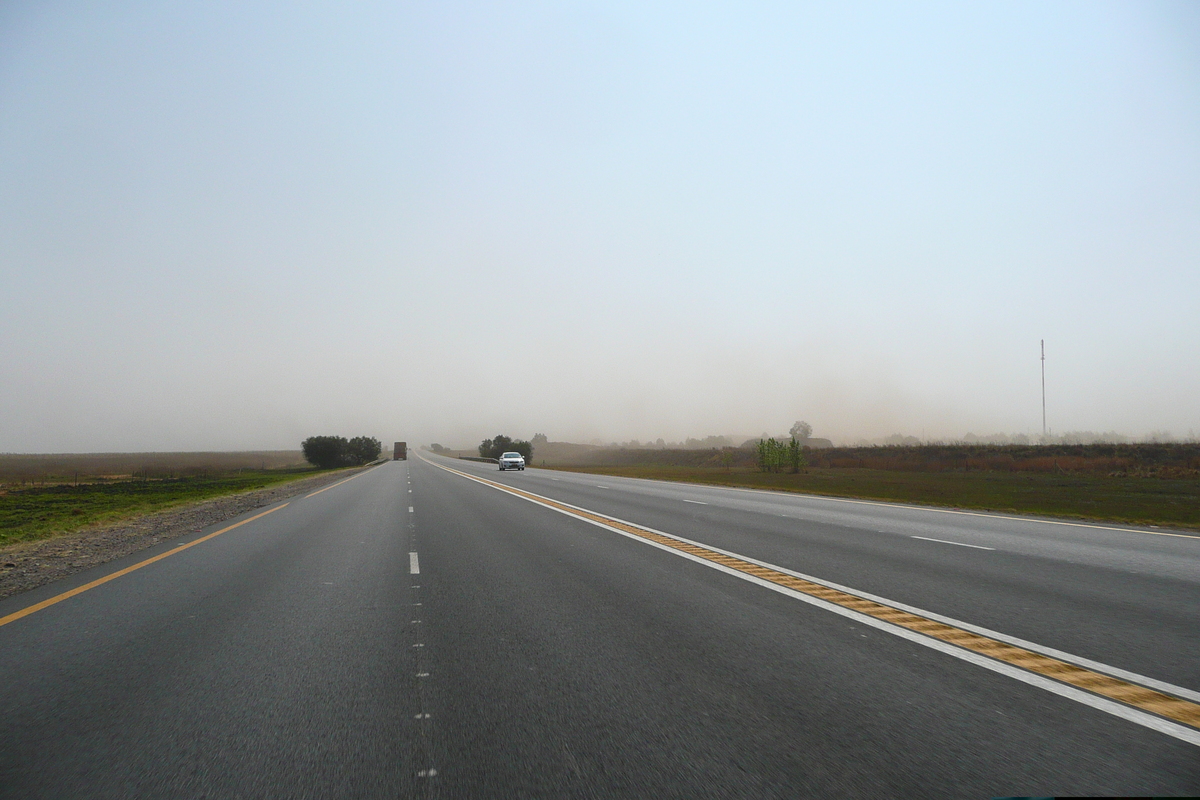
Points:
[(41, 512), (1133, 500)]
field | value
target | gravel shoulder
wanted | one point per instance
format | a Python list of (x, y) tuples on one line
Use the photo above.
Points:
[(28, 565)]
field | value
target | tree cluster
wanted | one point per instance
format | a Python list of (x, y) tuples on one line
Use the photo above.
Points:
[(328, 452), (500, 444), (774, 455)]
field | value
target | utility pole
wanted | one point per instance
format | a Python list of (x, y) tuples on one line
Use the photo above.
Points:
[(1043, 387)]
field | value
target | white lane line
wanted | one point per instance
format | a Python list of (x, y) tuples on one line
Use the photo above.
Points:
[(598, 486), (413, 567), (697, 502), (947, 541), (410, 510)]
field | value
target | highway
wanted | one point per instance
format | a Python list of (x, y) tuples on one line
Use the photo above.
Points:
[(436, 628)]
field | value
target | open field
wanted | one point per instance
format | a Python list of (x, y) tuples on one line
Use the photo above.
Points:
[(47, 468), (1137, 484), (41, 511)]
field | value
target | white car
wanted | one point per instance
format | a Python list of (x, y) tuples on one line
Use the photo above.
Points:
[(512, 461)]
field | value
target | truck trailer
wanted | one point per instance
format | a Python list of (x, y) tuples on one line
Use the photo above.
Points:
[(401, 452)]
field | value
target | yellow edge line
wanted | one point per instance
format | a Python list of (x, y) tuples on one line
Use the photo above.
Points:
[(58, 598), (1130, 694)]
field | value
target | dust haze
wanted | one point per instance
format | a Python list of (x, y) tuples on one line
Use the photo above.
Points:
[(224, 230)]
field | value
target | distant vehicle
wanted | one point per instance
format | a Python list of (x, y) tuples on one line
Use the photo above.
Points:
[(512, 461), (401, 452)]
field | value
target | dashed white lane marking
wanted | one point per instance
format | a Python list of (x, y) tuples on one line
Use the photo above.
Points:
[(414, 567), (410, 509), (697, 502), (421, 716), (598, 486), (946, 541), (427, 773), (422, 674), (418, 645)]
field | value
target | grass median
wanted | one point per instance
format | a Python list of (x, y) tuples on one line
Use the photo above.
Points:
[(39, 512), (1134, 500)]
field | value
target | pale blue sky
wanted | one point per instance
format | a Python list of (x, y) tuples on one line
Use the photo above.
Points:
[(231, 226)]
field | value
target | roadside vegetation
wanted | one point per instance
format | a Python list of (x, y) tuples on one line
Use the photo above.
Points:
[(328, 452), (1155, 484), (37, 512), (44, 496), (495, 447)]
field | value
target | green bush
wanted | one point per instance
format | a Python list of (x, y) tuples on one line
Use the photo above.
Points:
[(328, 452)]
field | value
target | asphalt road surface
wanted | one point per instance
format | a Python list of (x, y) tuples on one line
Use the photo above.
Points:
[(415, 632)]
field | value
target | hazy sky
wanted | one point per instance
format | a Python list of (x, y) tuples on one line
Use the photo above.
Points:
[(235, 225)]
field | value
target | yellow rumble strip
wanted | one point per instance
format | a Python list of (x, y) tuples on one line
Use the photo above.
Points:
[(1154, 702)]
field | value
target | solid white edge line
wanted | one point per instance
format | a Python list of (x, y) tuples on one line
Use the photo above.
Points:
[(947, 541), (414, 566), (935, 509), (1125, 712)]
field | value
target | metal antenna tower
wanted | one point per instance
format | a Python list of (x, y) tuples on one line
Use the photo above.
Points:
[(1043, 387)]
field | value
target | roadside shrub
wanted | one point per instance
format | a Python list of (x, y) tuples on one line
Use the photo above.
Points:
[(328, 452)]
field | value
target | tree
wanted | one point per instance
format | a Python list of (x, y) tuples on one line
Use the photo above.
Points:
[(795, 455), (492, 448), (362, 450), (539, 438), (801, 430), (325, 452), (495, 447)]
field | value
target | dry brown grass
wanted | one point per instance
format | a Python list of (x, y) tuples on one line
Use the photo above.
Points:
[(54, 468)]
